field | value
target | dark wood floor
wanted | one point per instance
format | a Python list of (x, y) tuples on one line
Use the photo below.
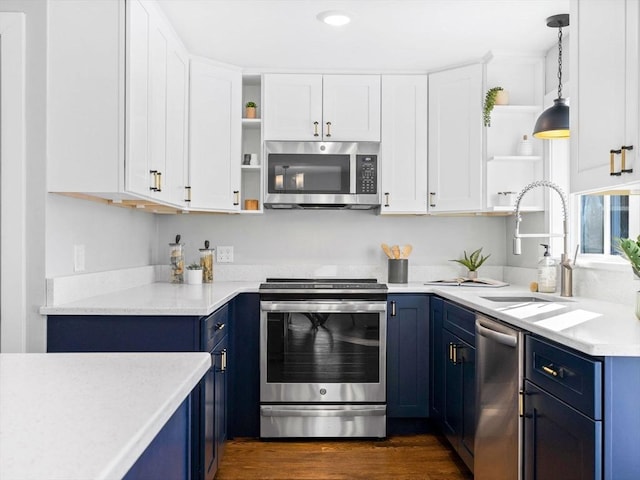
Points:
[(411, 457)]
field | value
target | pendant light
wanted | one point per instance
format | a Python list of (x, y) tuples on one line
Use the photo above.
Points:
[(553, 123)]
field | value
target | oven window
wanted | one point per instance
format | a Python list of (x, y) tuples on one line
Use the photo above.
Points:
[(323, 347), (309, 173)]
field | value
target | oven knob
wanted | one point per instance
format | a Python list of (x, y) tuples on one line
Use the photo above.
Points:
[(323, 391)]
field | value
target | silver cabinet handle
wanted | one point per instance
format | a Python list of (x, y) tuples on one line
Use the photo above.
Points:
[(315, 129), (432, 199), (387, 196), (328, 129), (223, 361), (187, 194), (236, 197), (393, 308)]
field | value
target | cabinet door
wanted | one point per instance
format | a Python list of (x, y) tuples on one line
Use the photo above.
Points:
[(292, 107), (221, 354), (438, 358), (459, 396), (604, 64), (215, 107), (137, 176), (455, 140), (559, 442), (177, 95), (408, 356), (351, 108), (404, 143)]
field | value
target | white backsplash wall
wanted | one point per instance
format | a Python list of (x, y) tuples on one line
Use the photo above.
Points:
[(326, 237), (113, 237)]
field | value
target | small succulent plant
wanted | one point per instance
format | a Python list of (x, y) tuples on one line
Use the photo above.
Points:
[(472, 261)]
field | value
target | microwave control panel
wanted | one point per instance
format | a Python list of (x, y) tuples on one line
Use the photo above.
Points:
[(366, 174)]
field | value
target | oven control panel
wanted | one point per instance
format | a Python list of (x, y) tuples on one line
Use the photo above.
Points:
[(366, 174)]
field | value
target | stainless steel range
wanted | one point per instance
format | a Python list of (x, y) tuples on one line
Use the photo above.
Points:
[(323, 358)]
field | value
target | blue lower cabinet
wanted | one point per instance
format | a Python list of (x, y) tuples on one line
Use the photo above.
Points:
[(167, 456), (453, 360), (208, 412), (244, 367), (408, 356), (559, 441)]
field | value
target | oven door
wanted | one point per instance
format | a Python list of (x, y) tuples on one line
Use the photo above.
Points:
[(323, 351)]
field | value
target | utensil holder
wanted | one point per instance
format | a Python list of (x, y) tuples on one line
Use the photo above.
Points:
[(398, 270)]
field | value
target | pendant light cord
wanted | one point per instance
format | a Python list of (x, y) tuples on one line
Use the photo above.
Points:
[(560, 62)]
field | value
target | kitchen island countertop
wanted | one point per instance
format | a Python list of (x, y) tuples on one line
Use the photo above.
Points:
[(87, 415), (590, 326)]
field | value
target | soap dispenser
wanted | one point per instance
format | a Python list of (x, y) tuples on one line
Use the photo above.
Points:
[(546, 272)]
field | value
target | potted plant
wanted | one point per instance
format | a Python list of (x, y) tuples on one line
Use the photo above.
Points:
[(630, 249), (250, 110), (472, 262), (494, 96), (194, 274)]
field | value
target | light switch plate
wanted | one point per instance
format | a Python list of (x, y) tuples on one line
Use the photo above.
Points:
[(224, 254)]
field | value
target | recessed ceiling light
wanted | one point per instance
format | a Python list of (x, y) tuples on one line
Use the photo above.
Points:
[(334, 18)]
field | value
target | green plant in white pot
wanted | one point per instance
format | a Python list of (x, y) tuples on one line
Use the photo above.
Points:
[(630, 249), (194, 274), (472, 261)]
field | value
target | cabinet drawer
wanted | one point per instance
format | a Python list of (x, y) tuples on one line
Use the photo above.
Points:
[(460, 322), (573, 378), (215, 327)]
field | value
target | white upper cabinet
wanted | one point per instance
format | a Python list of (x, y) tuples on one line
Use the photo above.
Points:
[(604, 98), (215, 110), (455, 140), (404, 144), (322, 107), (117, 109)]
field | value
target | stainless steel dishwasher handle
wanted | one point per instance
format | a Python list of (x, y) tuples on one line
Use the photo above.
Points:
[(502, 338)]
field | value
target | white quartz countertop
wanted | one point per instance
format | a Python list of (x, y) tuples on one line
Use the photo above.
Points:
[(87, 415), (590, 326), (161, 298)]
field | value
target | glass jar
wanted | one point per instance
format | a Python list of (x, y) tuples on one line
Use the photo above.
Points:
[(176, 261), (206, 262)]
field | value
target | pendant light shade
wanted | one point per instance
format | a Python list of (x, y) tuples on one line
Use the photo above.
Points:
[(553, 123)]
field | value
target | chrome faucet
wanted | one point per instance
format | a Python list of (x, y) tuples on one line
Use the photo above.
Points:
[(566, 266)]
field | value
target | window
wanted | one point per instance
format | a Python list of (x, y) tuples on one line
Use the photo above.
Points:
[(606, 218)]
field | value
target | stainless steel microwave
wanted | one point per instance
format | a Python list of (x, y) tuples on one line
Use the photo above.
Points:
[(322, 175)]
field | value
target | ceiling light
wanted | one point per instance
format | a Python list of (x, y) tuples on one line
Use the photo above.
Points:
[(554, 121), (334, 18)]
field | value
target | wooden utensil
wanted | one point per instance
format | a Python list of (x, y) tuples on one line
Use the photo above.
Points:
[(396, 251), (387, 250), (406, 251)]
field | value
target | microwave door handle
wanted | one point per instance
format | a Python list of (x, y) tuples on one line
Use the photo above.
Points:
[(326, 307)]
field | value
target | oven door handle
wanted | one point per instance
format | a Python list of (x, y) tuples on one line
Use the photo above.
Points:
[(321, 411), (323, 306)]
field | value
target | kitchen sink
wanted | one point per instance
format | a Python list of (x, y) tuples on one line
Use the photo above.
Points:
[(523, 299)]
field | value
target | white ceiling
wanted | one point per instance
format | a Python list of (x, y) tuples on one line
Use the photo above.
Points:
[(383, 36)]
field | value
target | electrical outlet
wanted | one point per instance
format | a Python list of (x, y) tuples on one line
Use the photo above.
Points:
[(224, 254), (78, 258)]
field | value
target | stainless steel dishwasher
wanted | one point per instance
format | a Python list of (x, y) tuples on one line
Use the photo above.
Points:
[(499, 371)]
